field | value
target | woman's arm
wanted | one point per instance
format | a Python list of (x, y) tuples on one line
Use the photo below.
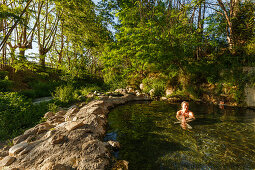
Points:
[(178, 114), (191, 117)]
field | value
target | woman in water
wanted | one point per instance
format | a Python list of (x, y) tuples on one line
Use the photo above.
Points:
[(185, 115)]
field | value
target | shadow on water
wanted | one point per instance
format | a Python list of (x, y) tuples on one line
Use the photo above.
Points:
[(149, 138), (204, 121)]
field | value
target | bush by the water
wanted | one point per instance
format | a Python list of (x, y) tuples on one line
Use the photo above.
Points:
[(17, 114), (68, 94), (64, 94), (159, 86)]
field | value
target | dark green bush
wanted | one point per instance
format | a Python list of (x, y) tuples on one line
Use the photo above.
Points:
[(3, 74), (30, 93), (64, 94), (17, 114), (5, 85), (159, 86), (43, 89)]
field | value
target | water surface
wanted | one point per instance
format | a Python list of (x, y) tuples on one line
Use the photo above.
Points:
[(220, 138)]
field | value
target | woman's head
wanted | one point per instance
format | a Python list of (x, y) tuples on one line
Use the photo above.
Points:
[(185, 105)]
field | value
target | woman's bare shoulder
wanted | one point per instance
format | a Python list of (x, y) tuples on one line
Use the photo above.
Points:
[(179, 112)]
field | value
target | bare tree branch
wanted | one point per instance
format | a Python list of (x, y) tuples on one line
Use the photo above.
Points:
[(14, 25)]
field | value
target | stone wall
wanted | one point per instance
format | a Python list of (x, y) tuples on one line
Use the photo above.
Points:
[(250, 96), (249, 89), (71, 139)]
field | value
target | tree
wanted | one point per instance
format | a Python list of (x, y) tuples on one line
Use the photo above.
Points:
[(14, 25), (46, 28)]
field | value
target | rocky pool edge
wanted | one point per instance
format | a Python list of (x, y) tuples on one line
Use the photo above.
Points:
[(68, 139)]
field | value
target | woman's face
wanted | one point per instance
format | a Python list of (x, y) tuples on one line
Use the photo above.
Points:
[(185, 106)]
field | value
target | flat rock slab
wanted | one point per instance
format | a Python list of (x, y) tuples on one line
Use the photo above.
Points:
[(58, 138), (17, 148), (8, 160), (73, 125)]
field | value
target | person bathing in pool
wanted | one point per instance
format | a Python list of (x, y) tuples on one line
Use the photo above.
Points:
[(185, 115)]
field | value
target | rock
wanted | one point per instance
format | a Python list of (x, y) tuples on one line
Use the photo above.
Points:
[(19, 139), (137, 92), (114, 94), (114, 145), (163, 98), (169, 91), (88, 144), (50, 133), (130, 90), (43, 127), (71, 113), (90, 119), (56, 120), (61, 126), (151, 92), (75, 119), (61, 113), (73, 125), (48, 115), (122, 91), (26, 150), (31, 138), (31, 131), (4, 153), (61, 167), (97, 110), (47, 166), (121, 165), (17, 148), (141, 86), (57, 138), (8, 160)]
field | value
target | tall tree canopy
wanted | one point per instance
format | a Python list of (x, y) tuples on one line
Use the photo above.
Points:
[(128, 38)]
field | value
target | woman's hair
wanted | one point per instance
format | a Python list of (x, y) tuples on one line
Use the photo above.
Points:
[(184, 103)]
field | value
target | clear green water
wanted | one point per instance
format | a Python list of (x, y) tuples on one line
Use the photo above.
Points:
[(220, 138)]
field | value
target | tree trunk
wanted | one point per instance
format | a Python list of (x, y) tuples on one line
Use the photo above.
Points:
[(4, 47), (12, 54), (42, 60), (22, 54), (229, 15)]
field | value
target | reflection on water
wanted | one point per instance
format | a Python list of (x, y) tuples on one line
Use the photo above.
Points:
[(220, 138)]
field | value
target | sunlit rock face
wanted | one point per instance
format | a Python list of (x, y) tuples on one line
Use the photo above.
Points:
[(249, 89), (250, 96), (69, 139)]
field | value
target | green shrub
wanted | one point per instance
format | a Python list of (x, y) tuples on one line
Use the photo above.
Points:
[(159, 86), (17, 114), (5, 85), (3, 74), (147, 82), (53, 107), (44, 75), (64, 94), (90, 89), (159, 89), (43, 89), (30, 93)]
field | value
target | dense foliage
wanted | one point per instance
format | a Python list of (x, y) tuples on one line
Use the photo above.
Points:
[(186, 42), (191, 47), (18, 113)]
